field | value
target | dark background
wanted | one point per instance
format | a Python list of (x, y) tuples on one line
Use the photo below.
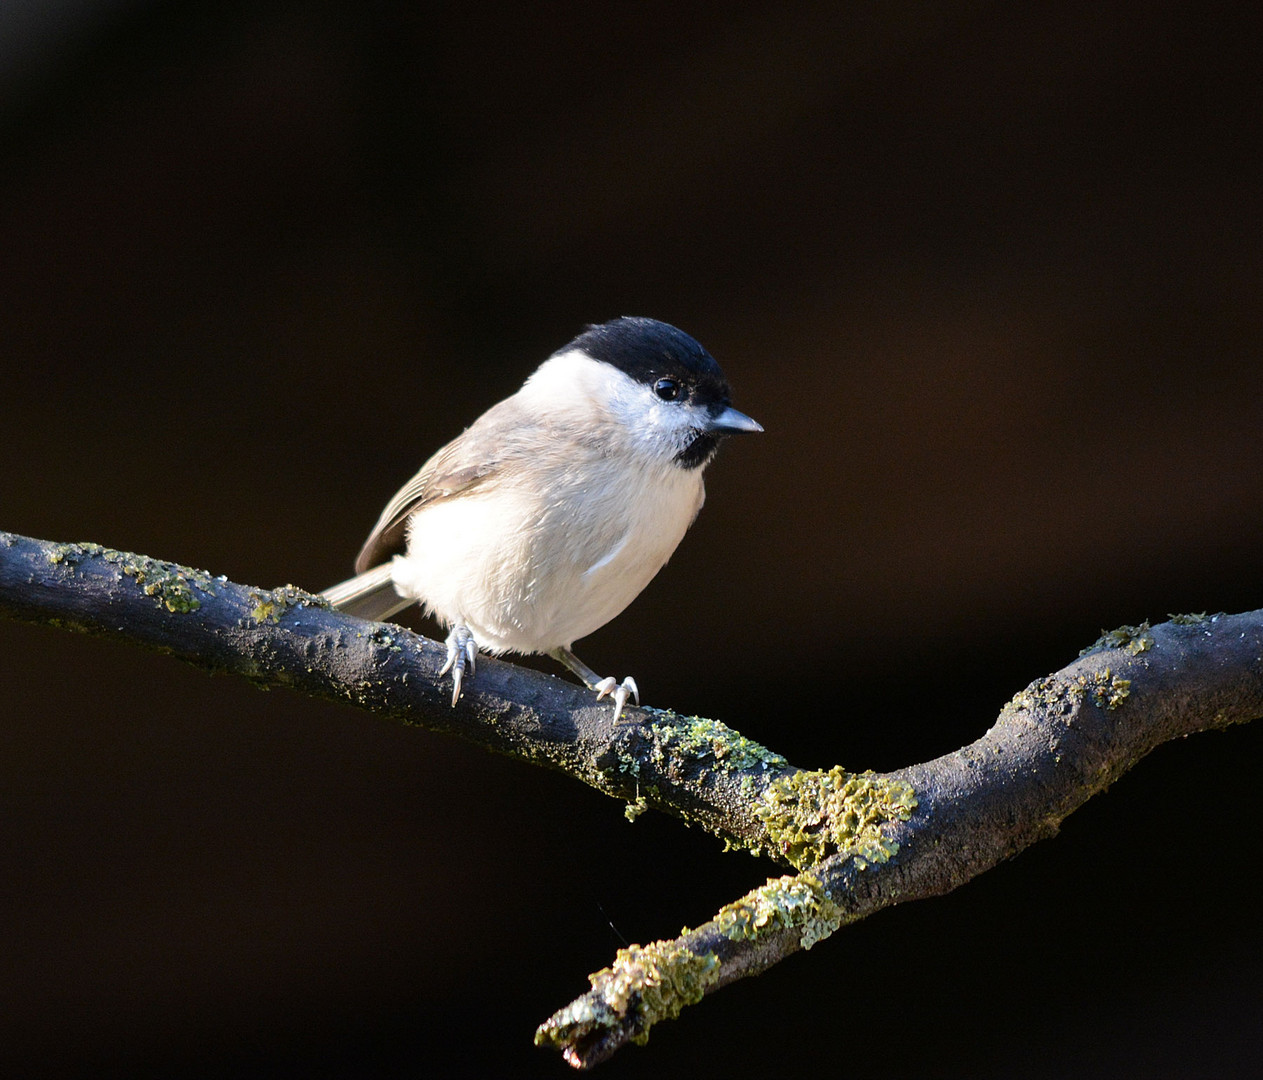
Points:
[(989, 275)]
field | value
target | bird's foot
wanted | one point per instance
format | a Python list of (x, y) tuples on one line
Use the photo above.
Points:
[(621, 692), (462, 650), (603, 687)]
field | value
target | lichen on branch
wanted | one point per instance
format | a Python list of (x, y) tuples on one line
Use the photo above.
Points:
[(810, 815), (861, 841)]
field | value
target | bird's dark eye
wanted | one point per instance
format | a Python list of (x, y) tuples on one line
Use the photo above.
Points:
[(667, 389)]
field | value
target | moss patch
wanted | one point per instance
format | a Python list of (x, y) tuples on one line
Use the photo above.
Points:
[(810, 815)]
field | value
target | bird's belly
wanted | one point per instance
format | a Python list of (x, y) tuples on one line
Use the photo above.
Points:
[(553, 575)]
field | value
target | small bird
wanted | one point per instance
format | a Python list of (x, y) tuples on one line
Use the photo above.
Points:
[(548, 515)]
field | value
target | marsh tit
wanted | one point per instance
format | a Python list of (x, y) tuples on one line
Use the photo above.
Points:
[(556, 507)]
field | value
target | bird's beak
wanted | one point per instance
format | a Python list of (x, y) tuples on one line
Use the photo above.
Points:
[(731, 422)]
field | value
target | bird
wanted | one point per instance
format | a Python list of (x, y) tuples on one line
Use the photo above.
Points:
[(554, 509)]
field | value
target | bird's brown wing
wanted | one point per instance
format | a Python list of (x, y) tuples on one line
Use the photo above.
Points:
[(469, 461)]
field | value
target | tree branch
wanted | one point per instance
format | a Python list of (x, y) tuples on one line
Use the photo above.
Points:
[(1060, 741), (698, 770), (860, 842)]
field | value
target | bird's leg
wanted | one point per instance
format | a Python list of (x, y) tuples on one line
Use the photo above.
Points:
[(462, 649), (620, 691)]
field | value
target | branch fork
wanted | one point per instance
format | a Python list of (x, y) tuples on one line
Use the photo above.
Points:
[(858, 842)]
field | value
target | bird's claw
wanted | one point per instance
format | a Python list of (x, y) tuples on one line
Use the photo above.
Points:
[(603, 687), (462, 650), (621, 692)]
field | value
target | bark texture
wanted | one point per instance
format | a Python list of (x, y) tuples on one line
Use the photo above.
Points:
[(858, 842)]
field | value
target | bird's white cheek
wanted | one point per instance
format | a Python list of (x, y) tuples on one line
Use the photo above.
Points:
[(655, 429)]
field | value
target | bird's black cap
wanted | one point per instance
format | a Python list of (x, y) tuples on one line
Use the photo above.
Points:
[(648, 350)]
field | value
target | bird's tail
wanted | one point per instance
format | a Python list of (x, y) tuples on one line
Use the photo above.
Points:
[(370, 595)]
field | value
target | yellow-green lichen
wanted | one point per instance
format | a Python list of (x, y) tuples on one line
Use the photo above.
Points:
[(1191, 620), (648, 983), (712, 743), (810, 815), (269, 606), (1046, 693), (635, 808), (1103, 688), (170, 584), (72, 554), (796, 901), (1134, 639)]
